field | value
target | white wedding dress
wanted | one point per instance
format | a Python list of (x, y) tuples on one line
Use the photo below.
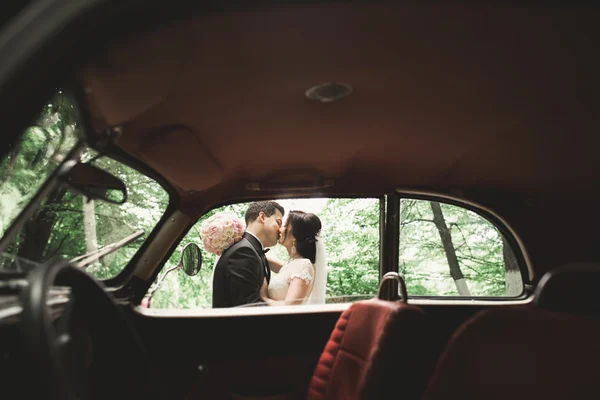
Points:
[(299, 268)]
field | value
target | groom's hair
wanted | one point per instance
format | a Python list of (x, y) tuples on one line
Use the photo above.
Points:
[(268, 207)]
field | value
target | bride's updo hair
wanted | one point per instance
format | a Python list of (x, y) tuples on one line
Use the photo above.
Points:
[(305, 227)]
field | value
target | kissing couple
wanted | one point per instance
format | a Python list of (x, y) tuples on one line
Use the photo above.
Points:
[(242, 275)]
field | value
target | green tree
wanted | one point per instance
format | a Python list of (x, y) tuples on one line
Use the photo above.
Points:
[(57, 227), (351, 234), (478, 250)]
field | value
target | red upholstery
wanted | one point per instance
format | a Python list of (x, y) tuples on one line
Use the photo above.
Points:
[(520, 353), (377, 350)]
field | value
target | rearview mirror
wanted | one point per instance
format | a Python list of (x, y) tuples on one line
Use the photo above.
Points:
[(95, 183), (191, 259)]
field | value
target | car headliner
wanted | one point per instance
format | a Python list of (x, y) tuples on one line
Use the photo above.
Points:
[(482, 96)]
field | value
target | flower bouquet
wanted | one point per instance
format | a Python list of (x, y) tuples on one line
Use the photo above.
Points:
[(221, 231)]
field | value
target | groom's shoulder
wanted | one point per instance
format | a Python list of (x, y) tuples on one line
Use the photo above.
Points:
[(244, 243)]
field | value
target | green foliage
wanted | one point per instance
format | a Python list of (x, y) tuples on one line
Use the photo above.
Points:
[(57, 227), (146, 203), (423, 263), (351, 234), (33, 158)]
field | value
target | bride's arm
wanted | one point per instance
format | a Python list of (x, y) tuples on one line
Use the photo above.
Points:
[(274, 264), (295, 295)]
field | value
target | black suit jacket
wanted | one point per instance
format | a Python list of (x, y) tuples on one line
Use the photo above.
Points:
[(239, 274)]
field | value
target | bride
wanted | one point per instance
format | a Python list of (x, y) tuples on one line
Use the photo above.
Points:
[(302, 279)]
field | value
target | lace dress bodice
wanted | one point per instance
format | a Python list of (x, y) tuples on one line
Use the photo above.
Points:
[(299, 268)]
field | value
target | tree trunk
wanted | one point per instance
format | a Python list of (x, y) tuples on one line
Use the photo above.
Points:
[(36, 232), (514, 283), (446, 237), (89, 228), (89, 225)]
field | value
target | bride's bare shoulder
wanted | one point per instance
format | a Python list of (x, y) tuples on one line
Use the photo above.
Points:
[(300, 262)]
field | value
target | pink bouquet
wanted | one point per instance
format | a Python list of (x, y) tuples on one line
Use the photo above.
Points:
[(221, 231)]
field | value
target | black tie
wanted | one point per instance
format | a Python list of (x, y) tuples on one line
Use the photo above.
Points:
[(266, 264)]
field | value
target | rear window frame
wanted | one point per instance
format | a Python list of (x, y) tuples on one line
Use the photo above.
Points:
[(511, 236)]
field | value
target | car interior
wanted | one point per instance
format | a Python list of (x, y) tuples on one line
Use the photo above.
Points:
[(492, 107)]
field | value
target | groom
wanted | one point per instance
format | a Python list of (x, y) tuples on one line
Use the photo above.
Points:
[(242, 268)]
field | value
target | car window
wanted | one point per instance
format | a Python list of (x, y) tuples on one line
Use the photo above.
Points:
[(446, 250), (67, 224), (350, 234)]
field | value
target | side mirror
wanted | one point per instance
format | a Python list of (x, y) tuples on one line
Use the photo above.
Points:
[(190, 262), (191, 259), (95, 183)]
